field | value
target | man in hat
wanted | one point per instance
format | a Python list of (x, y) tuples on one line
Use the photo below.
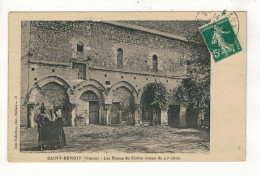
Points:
[(42, 121)]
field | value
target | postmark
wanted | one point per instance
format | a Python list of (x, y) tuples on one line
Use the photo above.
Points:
[(221, 39), (215, 16)]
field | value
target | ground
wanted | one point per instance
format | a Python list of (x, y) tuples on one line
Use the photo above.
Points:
[(124, 139)]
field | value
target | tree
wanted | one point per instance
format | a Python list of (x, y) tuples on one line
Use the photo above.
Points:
[(195, 89), (154, 99), (157, 95)]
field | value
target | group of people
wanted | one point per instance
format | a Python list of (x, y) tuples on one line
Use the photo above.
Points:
[(50, 129)]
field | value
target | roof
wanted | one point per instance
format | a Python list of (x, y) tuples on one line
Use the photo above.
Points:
[(152, 31)]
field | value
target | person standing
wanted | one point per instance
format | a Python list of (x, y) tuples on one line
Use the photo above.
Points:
[(57, 137), (59, 123), (41, 121), (52, 114)]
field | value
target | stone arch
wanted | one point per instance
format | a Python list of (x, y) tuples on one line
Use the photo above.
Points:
[(94, 83), (50, 83), (51, 79), (88, 87), (89, 111), (123, 96), (125, 85), (141, 92), (151, 114), (100, 86)]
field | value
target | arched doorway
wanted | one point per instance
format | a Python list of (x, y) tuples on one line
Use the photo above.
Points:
[(122, 111), (151, 114), (54, 96), (88, 108)]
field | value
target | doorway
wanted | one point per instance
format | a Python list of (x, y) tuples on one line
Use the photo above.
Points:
[(115, 113), (93, 112), (88, 109), (174, 116)]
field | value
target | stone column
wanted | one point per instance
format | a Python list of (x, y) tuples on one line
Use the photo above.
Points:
[(200, 117), (87, 114), (183, 116), (120, 116), (107, 108), (164, 116), (73, 117), (73, 122), (30, 115), (100, 114), (137, 114)]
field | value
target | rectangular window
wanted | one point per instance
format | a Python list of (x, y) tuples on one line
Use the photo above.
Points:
[(80, 47)]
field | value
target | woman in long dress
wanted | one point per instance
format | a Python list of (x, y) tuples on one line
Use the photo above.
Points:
[(57, 137)]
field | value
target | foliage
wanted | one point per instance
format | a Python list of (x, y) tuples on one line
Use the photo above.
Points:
[(195, 90), (156, 94)]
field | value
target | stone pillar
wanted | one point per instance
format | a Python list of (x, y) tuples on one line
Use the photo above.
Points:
[(120, 116), (107, 108), (30, 115), (164, 116), (87, 114), (137, 114), (100, 114), (183, 116), (73, 117), (73, 122), (200, 117)]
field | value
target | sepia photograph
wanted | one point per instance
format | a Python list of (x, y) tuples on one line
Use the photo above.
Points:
[(114, 86)]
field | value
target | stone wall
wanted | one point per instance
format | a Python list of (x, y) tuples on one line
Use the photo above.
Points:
[(57, 41)]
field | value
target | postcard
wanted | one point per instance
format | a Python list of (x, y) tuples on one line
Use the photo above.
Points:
[(127, 86)]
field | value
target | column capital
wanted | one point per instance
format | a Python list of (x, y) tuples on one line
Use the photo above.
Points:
[(137, 106), (30, 114), (73, 106), (183, 105), (31, 105), (165, 108), (107, 106)]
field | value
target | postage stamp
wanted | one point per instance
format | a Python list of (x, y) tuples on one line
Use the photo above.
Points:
[(221, 39)]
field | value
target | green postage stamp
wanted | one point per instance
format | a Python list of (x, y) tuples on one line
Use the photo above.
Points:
[(221, 39)]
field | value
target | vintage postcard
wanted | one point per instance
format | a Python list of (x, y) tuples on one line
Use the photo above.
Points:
[(127, 86)]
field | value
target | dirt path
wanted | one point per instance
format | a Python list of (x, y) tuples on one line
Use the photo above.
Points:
[(127, 139)]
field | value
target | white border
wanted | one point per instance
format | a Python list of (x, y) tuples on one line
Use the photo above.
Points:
[(250, 167)]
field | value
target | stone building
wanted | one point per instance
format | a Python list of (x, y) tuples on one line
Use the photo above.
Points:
[(98, 72)]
